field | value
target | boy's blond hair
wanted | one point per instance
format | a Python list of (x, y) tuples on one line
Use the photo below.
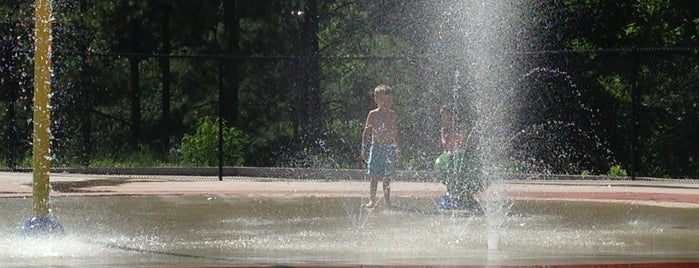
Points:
[(383, 89)]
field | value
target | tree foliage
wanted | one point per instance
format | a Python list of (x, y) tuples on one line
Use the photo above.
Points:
[(295, 76)]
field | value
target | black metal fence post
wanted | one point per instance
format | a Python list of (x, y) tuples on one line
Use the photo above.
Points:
[(9, 85), (633, 166), (220, 121)]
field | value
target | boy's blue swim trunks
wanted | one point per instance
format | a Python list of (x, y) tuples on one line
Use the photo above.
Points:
[(381, 159)]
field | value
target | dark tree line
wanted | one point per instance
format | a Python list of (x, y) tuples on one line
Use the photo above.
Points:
[(601, 82)]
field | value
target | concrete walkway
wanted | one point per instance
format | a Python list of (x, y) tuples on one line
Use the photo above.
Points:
[(659, 193)]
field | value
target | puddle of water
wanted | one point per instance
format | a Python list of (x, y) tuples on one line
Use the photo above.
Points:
[(250, 230)]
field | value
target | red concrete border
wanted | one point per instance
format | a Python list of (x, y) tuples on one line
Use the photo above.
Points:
[(615, 265), (624, 196)]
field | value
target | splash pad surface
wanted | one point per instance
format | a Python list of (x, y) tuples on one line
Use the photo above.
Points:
[(239, 222)]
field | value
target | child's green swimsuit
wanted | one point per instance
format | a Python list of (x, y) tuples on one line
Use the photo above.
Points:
[(461, 174)]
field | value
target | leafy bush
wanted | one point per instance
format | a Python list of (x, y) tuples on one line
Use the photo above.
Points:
[(616, 171), (201, 149)]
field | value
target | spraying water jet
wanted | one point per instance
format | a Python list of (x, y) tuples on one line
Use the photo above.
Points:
[(41, 223)]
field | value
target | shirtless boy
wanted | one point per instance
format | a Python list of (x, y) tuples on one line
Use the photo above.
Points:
[(380, 148)]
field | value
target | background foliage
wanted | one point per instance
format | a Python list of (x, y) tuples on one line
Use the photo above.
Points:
[(602, 82)]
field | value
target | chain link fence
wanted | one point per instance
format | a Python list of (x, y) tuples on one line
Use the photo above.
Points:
[(577, 112)]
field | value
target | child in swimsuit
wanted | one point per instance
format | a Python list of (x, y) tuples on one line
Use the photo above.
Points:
[(380, 148), (458, 167)]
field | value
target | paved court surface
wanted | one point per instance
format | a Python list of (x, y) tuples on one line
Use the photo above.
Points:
[(651, 192), (661, 193)]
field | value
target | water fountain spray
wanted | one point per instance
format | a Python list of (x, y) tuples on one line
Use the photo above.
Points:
[(40, 223)]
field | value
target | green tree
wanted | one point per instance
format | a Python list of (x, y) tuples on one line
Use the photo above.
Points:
[(651, 90)]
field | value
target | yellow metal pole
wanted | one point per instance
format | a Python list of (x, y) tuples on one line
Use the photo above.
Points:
[(42, 113)]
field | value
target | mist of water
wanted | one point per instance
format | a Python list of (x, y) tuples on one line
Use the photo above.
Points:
[(487, 36)]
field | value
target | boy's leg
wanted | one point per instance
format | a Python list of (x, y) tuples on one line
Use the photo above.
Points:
[(373, 185), (387, 190)]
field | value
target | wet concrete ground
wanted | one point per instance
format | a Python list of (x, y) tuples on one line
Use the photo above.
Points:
[(137, 220)]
